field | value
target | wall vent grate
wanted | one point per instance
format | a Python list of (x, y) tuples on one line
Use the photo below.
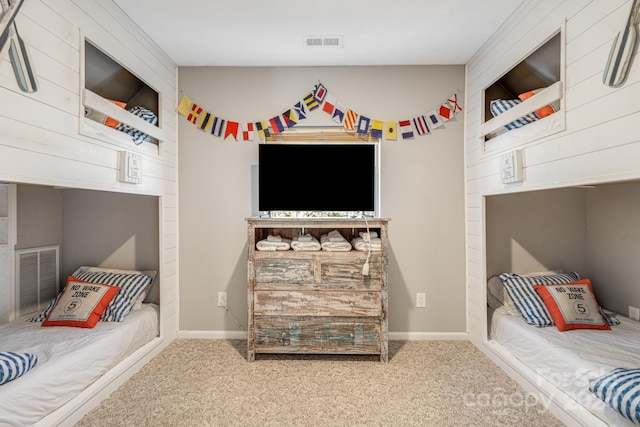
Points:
[(322, 41)]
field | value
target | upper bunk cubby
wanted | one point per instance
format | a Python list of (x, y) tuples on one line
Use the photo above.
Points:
[(527, 102), (116, 105)]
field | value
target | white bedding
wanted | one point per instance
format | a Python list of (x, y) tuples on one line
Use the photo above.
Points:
[(69, 360), (570, 359)]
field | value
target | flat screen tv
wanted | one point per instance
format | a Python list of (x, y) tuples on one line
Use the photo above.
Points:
[(317, 177)]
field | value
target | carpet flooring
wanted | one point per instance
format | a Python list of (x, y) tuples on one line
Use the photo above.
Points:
[(425, 383)]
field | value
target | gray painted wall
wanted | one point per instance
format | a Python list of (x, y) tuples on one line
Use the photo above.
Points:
[(39, 216), (613, 244), (421, 184)]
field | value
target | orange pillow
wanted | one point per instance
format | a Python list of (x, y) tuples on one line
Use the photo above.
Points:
[(81, 304), (541, 112), (112, 123), (572, 305)]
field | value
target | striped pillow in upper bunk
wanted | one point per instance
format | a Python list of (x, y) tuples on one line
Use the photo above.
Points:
[(131, 287), (499, 106), (527, 301)]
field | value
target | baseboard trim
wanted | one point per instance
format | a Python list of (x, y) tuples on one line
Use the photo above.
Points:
[(212, 335), (396, 336), (428, 336)]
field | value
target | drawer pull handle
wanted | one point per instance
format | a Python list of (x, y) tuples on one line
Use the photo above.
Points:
[(351, 335), (284, 334)]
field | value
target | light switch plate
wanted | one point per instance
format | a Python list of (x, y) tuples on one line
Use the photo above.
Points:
[(130, 167), (634, 313), (511, 167)]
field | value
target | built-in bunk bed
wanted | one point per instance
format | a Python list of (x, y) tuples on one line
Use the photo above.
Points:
[(526, 103), (597, 364), (548, 327), (48, 360)]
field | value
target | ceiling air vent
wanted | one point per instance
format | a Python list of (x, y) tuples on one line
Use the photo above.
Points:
[(319, 41)]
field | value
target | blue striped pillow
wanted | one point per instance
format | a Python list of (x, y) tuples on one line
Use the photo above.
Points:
[(527, 301), (131, 287), (499, 106), (14, 365), (138, 136), (620, 389)]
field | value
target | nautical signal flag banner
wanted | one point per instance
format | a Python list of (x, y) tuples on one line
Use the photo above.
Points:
[(363, 125), (350, 119), (247, 131), (329, 104), (376, 129), (390, 131), (231, 129), (405, 129), (338, 113), (184, 106), (320, 98)]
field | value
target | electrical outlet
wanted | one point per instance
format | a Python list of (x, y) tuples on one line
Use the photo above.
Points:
[(421, 299), (222, 299), (634, 313)]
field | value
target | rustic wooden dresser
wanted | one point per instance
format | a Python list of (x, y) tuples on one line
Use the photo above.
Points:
[(316, 302)]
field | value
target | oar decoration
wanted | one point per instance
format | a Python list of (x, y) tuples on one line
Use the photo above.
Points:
[(18, 54), (615, 71)]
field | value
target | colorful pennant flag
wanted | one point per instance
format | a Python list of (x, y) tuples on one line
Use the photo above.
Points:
[(453, 100), (290, 118), (445, 112), (350, 119), (319, 92), (405, 129), (301, 110), (311, 101), (231, 129), (390, 131), (247, 131), (263, 129), (218, 125), (205, 122), (194, 113), (184, 106), (338, 113), (376, 129), (420, 123), (329, 104), (277, 124), (363, 125), (434, 120)]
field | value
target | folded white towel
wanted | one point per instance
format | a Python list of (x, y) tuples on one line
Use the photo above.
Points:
[(271, 238), (362, 245), (335, 236), (266, 245), (298, 244), (304, 238), (365, 236), (328, 245)]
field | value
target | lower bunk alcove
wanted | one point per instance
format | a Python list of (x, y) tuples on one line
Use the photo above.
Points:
[(96, 232), (591, 230)]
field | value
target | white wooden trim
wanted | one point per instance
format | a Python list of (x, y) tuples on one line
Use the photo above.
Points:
[(73, 411), (212, 335), (96, 102), (555, 400), (547, 96)]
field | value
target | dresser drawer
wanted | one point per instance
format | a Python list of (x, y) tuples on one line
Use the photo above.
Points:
[(317, 303), (348, 273), (284, 270), (317, 337)]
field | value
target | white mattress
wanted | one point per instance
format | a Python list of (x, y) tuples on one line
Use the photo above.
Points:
[(69, 360), (570, 359)]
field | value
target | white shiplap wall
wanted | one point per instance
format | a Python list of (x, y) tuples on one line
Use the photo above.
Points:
[(39, 138), (600, 143)]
